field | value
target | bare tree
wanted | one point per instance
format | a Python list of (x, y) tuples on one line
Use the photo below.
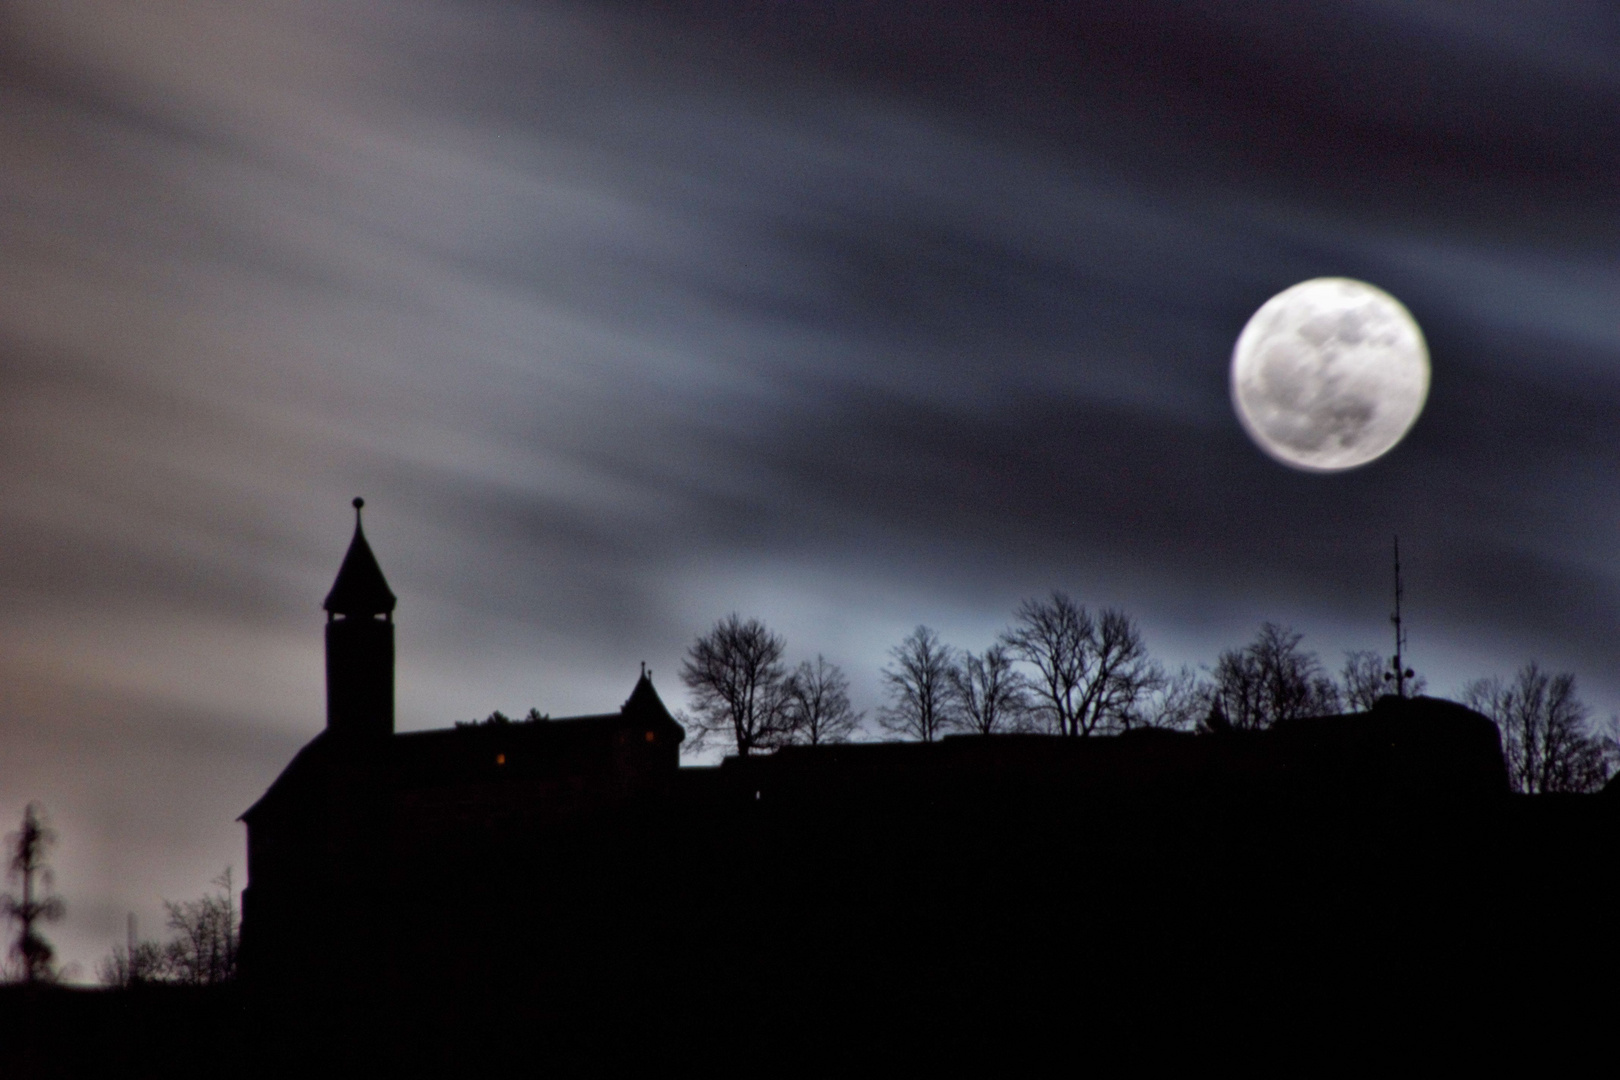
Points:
[(735, 675), (134, 964), (1366, 677), (1545, 738), (1091, 673), (33, 956), (1362, 680), (207, 937), (818, 709), (1177, 702), (1051, 636), (1608, 737), (203, 951), (919, 687), (1268, 680), (988, 695), (1124, 676)]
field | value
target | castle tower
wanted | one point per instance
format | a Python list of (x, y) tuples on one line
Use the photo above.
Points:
[(360, 644)]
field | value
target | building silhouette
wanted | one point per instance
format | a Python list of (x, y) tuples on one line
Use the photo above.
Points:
[(333, 841), (474, 878)]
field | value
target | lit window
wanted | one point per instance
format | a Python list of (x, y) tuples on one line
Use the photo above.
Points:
[(500, 759), (651, 737)]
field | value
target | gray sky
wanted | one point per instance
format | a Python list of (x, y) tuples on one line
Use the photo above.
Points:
[(847, 316)]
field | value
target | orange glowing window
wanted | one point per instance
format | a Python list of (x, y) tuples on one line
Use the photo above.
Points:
[(651, 737), (500, 759)]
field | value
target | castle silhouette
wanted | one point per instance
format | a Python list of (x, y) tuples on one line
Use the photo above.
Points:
[(359, 805), (571, 868)]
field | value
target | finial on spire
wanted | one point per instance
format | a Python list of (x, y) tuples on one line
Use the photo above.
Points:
[(360, 588)]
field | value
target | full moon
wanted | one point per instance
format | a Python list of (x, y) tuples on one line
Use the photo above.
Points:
[(1329, 374)]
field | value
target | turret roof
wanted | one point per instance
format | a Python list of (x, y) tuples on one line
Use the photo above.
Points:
[(360, 588), (644, 702)]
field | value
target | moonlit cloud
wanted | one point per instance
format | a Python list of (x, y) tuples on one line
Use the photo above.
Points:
[(848, 315)]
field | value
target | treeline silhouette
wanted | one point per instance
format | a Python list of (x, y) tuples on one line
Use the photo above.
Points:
[(164, 1008), (205, 943), (1061, 669), (202, 951)]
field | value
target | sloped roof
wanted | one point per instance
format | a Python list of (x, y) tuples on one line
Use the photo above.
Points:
[(644, 704), (301, 781), (418, 758), (360, 588)]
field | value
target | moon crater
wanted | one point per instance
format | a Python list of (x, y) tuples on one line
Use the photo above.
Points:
[(1329, 374)]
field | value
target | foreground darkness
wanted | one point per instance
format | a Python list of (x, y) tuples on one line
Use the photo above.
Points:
[(1367, 879)]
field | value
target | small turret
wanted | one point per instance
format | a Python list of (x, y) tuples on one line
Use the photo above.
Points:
[(360, 644)]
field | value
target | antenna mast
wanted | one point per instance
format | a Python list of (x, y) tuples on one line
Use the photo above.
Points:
[(1399, 672)]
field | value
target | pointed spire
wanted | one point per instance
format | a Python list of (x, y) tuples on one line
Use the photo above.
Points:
[(360, 588), (644, 697)]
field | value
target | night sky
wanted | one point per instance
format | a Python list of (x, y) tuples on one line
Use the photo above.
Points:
[(848, 316)]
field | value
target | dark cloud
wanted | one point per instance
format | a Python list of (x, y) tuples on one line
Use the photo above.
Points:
[(1409, 98)]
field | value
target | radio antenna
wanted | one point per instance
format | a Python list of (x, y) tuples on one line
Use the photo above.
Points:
[(1399, 672)]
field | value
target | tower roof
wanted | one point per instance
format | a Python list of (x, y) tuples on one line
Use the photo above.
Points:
[(360, 588), (644, 700)]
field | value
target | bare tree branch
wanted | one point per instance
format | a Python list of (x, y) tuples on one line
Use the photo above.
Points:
[(1545, 738), (919, 687), (203, 952), (1122, 675), (818, 709), (988, 695), (735, 675), (1271, 679), (1051, 636), (207, 936), (1178, 702), (1091, 673), (1362, 680)]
